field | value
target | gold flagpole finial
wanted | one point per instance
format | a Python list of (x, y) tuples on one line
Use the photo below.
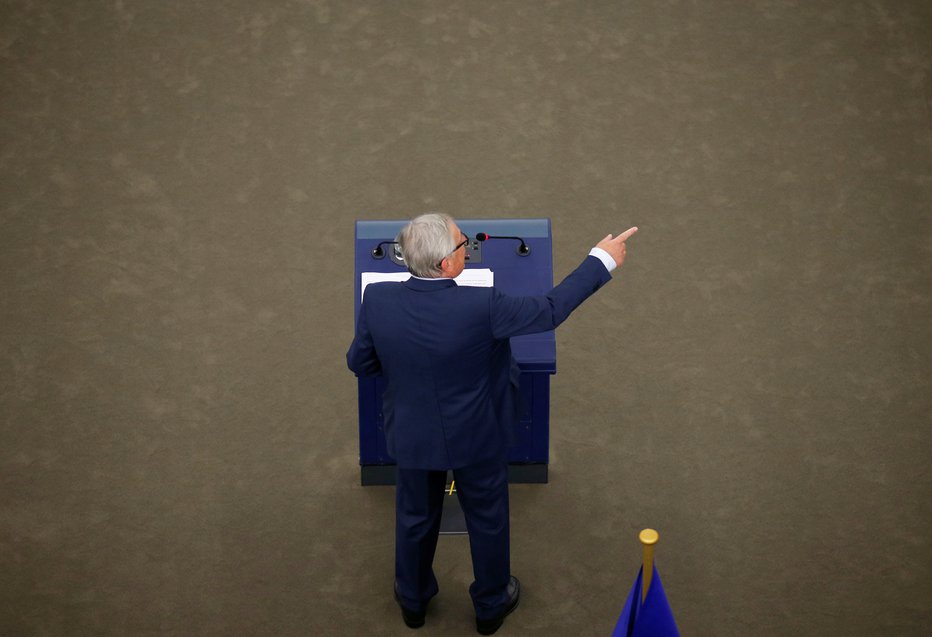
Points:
[(648, 539)]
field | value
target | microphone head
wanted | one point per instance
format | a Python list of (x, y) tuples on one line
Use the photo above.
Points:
[(481, 236)]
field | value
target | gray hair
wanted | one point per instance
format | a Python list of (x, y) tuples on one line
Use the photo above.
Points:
[(425, 242)]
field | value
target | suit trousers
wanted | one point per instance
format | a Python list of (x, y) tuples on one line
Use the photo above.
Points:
[(482, 490)]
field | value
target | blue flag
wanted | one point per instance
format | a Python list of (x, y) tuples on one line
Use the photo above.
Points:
[(653, 618)]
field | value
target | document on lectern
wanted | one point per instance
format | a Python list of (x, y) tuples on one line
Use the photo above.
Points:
[(478, 278)]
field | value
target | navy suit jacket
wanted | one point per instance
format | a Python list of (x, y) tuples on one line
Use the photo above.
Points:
[(451, 384)]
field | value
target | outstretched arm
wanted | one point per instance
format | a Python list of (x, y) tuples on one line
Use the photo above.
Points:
[(516, 315)]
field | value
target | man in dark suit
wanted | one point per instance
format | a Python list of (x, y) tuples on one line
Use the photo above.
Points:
[(450, 402)]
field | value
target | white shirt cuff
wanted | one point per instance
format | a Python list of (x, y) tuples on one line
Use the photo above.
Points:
[(604, 257)]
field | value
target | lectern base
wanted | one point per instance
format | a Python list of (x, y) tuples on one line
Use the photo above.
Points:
[(528, 473), (384, 474), (453, 522)]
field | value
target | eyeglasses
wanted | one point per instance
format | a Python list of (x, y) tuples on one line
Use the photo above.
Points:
[(459, 245)]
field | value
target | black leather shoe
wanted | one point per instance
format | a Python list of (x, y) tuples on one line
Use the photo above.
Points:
[(412, 619), (489, 626)]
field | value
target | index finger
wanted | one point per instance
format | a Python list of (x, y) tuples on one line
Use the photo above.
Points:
[(627, 233)]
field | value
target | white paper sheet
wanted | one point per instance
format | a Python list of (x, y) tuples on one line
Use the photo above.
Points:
[(478, 278)]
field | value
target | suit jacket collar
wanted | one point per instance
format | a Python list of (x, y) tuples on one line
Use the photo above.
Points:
[(420, 285)]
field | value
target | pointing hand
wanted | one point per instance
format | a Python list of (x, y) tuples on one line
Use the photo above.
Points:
[(616, 246)]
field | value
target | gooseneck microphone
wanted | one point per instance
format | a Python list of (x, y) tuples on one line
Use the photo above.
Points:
[(378, 252), (523, 249)]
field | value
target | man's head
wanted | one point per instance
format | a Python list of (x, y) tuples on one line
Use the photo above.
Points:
[(433, 246)]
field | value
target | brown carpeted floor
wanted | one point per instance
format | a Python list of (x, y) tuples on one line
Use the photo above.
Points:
[(178, 186)]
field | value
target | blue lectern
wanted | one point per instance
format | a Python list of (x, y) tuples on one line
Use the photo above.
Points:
[(516, 271)]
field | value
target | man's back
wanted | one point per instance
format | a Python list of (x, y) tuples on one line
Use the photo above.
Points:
[(451, 383)]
